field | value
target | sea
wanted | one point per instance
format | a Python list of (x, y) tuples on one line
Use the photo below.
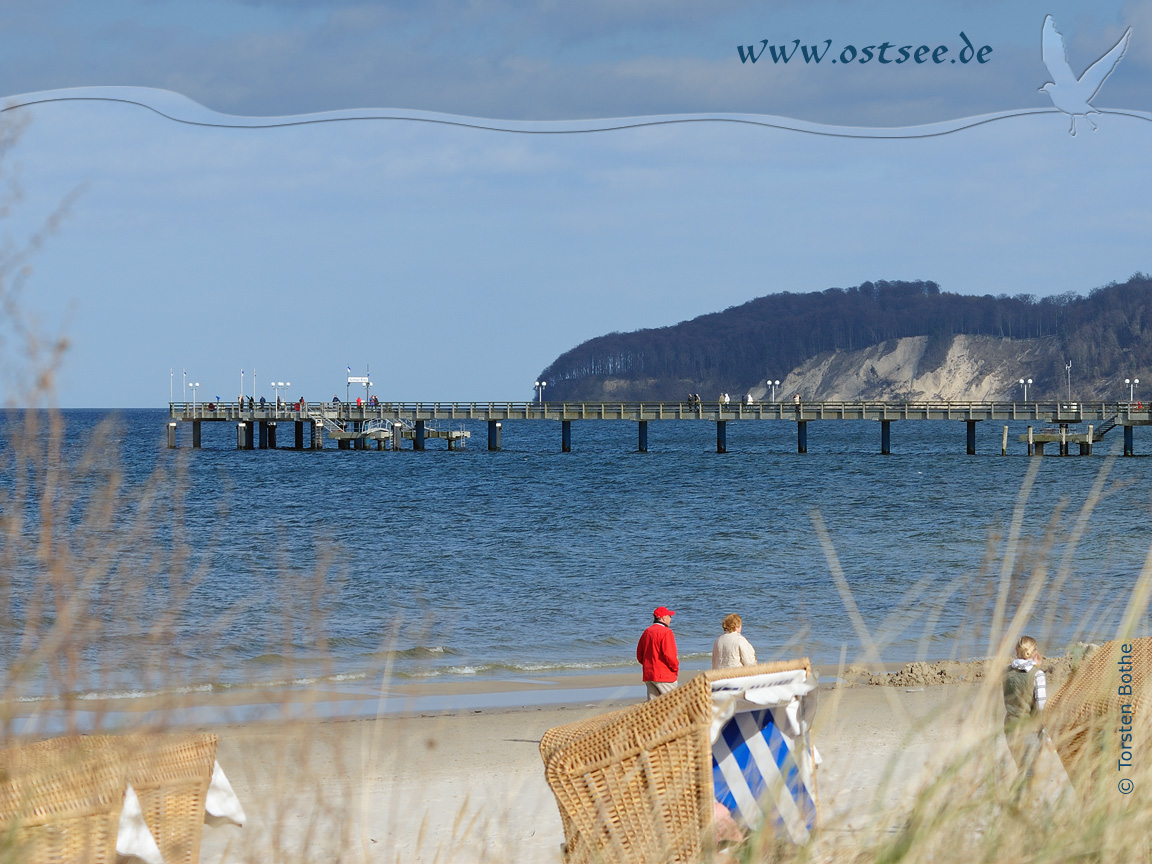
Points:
[(217, 568)]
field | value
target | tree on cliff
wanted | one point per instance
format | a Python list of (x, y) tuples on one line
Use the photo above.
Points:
[(1104, 333)]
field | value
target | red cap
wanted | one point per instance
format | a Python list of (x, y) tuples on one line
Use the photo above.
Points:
[(661, 611)]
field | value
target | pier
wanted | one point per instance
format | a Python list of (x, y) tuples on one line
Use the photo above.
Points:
[(387, 425)]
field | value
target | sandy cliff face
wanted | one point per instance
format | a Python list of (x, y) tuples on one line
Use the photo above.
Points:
[(921, 368)]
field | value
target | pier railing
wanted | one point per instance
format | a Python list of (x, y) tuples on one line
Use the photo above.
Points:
[(1041, 412)]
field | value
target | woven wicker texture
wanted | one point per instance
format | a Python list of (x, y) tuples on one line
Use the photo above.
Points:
[(1083, 718), (60, 800), (636, 785), (171, 773)]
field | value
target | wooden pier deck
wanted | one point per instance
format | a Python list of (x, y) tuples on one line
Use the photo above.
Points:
[(1039, 412), (356, 426)]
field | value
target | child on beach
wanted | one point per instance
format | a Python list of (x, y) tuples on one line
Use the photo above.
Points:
[(1025, 692)]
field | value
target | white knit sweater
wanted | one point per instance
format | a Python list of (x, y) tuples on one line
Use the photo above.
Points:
[(732, 649)]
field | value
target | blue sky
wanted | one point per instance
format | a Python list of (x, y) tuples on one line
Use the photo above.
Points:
[(458, 263)]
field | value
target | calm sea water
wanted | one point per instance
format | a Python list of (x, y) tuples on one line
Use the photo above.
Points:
[(531, 562)]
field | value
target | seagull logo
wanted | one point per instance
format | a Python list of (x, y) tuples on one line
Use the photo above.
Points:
[(1070, 94)]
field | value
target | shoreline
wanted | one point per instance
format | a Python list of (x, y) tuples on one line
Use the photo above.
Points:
[(398, 698), (348, 700)]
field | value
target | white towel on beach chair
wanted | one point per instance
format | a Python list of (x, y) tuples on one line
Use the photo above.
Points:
[(133, 839), (222, 807)]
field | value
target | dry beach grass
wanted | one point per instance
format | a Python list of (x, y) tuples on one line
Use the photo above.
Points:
[(912, 771), (98, 592)]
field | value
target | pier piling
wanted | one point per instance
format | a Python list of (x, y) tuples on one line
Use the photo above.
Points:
[(1004, 441), (354, 427)]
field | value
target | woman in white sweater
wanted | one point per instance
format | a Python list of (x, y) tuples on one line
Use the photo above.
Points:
[(732, 649)]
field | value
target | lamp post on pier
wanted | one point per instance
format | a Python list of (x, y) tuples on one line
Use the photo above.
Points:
[(1132, 382), (1068, 369), (1024, 382), (773, 385), (540, 385), (194, 386)]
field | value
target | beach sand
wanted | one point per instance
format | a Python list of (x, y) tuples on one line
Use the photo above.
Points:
[(468, 785)]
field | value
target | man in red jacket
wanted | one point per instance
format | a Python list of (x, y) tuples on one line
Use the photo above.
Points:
[(657, 653)]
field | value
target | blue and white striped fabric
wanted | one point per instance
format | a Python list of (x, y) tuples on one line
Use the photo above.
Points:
[(758, 774)]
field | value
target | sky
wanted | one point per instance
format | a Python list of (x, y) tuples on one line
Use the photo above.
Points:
[(188, 233)]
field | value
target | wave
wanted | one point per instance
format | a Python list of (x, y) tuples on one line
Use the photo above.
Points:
[(419, 652), (517, 668), (180, 109), (204, 687)]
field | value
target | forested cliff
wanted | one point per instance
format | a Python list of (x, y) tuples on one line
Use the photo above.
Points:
[(1106, 334)]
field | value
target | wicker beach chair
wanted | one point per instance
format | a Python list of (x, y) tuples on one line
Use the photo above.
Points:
[(60, 800), (1085, 718), (170, 774), (637, 785)]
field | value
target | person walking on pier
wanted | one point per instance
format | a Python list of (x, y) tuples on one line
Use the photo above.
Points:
[(656, 653), (732, 649)]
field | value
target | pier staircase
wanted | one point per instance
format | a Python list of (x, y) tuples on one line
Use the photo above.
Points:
[(1104, 428), (333, 428)]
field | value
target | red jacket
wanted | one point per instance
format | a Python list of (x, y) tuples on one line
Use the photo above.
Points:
[(657, 653)]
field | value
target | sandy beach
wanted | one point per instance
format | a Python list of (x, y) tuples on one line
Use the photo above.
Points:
[(468, 785)]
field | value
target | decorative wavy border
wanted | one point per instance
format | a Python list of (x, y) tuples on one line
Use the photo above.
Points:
[(180, 109)]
